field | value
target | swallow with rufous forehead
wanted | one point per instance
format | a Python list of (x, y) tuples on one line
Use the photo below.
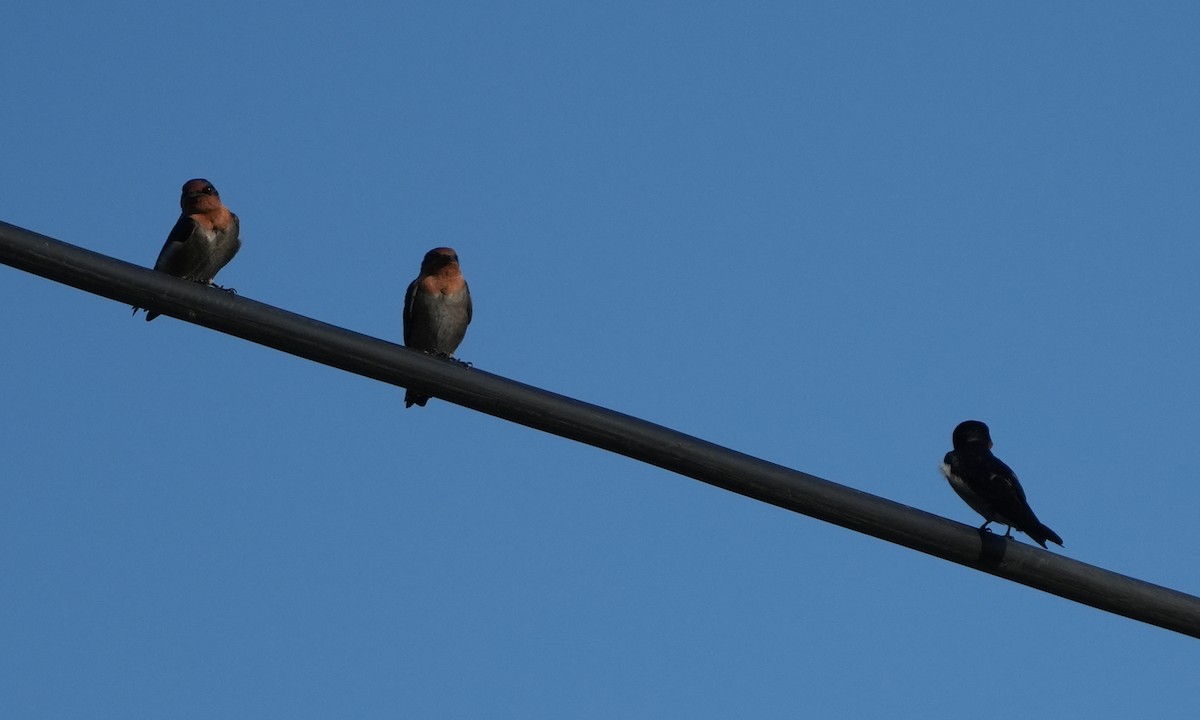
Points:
[(437, 310), (204, 239)]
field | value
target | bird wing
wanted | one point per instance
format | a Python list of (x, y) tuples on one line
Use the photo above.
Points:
[(409, 298), (171, 258), (235, 232), (467, 290), (1005, 479), (1006, 493)]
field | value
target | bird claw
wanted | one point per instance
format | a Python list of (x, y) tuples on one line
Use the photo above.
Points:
[(229, 290), (448, 358)]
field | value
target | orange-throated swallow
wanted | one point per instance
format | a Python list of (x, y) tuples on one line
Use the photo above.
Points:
[(204, 239), (437, 310), (989, 486)]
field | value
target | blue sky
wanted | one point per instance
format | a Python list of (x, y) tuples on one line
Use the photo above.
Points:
[(822, 234)]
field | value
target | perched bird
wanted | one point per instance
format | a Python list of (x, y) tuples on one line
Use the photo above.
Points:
[(989, 486), (437, 310), (204, 239)]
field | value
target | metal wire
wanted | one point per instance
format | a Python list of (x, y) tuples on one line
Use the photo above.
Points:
[(594, 425)]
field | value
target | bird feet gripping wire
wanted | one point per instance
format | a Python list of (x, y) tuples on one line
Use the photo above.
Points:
[(455, 360), (449, 358)]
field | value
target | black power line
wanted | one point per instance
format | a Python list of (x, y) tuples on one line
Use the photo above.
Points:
[(613, 431)]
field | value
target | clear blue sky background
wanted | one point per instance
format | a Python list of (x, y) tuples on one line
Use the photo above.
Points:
[(819, 233)]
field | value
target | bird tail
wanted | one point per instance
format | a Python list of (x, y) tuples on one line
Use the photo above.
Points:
[(411, 398), (1041, 534)]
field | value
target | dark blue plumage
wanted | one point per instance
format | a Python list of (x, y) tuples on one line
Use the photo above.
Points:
[(989, 486)]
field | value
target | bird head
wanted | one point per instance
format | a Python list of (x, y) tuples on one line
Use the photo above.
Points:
[(971, 433), (438, 258), (198, 195)]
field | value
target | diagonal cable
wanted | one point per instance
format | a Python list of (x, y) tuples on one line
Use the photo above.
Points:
[(603, 428)]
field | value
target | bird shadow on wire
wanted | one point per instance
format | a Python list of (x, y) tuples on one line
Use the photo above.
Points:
[(991, 548)]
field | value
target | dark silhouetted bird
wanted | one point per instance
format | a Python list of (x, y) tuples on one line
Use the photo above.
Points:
[(989, 486), (437, 310), (204, 239)]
